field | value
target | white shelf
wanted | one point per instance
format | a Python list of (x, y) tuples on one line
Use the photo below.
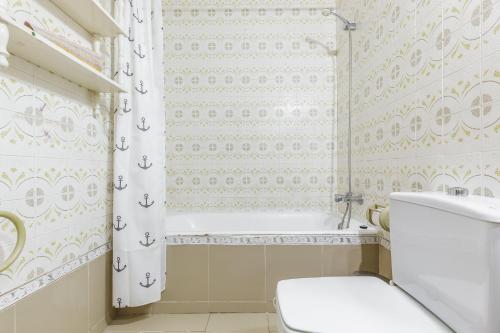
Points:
[(38, 50), (91, 16)]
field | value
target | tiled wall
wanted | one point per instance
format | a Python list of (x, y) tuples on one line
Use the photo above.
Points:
[(209, 278), (249, 105), (54, 159), (426, 100), (79, 303)]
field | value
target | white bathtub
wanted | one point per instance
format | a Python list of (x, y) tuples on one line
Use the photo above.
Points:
[(264, 228)]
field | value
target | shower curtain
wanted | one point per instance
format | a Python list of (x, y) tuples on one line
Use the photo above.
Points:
[(139, 272)]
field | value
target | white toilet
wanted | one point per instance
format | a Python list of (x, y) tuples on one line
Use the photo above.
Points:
[(446, 267)]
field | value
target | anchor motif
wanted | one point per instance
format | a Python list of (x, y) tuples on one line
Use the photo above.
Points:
[(143, 128), (117, 267), (139, 52), (120, 187), (119, 301), (122, 148), (42, 107), (117, 227), (147, 244), (128, 72), (139, 20), (145, 165), (130, 37), (141, 91), (146, 204), (147, 284), (124, 109)]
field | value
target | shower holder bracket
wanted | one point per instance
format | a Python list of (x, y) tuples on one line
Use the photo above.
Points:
[(351, 26)]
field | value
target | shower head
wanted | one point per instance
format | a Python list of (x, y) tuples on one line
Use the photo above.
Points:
[(350, 26)]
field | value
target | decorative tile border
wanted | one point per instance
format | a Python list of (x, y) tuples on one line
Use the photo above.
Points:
[(384, 242), (25, 290), (298, 239), (42, 281)]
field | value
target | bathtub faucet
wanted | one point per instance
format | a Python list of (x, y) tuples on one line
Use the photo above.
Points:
[(349, 197)]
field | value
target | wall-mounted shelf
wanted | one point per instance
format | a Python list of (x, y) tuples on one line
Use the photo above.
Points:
[(38, 50), (91, 16)]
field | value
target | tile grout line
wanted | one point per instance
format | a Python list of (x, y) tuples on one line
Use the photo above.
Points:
[(322, 263), (208, 282), (265, 277), (89, 325), (208, 321), (15, 318)]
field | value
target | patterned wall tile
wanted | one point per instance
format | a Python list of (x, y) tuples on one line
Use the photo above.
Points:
[(492, 174), (490, 27), (54, 159), (249, 106), (435, 125)]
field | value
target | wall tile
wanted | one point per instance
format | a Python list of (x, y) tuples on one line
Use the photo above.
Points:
[(288, 262), (249, 107), (62, 307), (180, 307), (490, 27), (348, 260), (100, 276), (490, 102), (7, 320), (54, 156), (385, 266), (187, 269), (491, 180), (230, 269), (441, 104), (238, 307)]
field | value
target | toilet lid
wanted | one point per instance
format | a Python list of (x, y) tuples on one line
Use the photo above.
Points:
[(352, 304)]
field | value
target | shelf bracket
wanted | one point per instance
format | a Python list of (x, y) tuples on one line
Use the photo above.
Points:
[(96, 43), (97, 102)]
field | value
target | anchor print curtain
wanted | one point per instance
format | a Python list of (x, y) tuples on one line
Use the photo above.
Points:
[(139, 157)]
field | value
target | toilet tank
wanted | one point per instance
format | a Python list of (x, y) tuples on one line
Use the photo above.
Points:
[(446, 254)]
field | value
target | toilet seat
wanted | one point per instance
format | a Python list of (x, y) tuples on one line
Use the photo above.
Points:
[(350, 304)]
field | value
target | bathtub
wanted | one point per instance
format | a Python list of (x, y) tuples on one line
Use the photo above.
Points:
[(210, 256), (260, 228)]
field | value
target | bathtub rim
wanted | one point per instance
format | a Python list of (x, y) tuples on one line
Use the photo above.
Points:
[(323, 235), (354, 229), (290, 239)]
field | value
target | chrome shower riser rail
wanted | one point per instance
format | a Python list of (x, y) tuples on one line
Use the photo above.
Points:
[(349, 197)]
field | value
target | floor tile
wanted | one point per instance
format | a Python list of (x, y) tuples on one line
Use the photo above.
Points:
[(160, 323), (109, 330), (238, 322)]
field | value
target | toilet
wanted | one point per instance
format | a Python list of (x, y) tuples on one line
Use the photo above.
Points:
[(446, 271)]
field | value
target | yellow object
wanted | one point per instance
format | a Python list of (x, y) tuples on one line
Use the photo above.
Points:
[(372, 209), (384, 219), (21, 239)]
